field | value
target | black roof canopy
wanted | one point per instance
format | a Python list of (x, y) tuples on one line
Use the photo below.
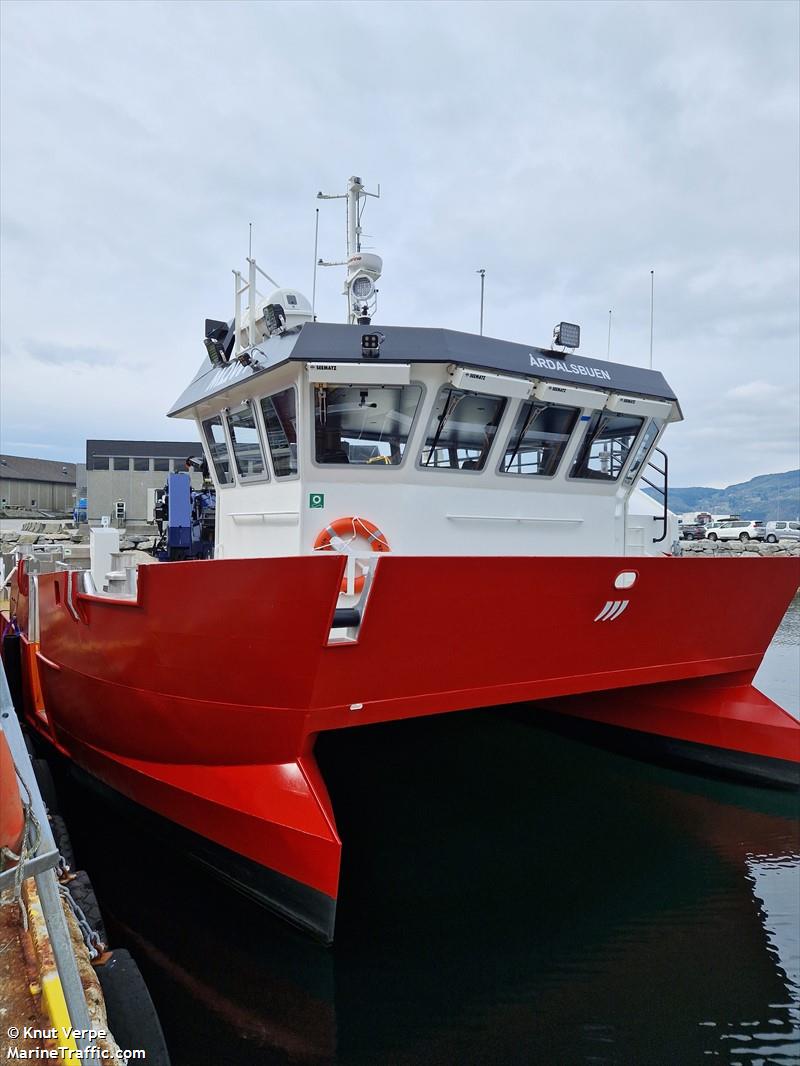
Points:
[(141, 449), (330, 342)]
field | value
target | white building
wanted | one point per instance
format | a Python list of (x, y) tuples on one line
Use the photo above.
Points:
[(122, 471)]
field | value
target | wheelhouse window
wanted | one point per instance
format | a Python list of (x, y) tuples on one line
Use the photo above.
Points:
[(461, 430), (218, 449), (246, 443), (161, 465), (642, 452), (280, 420), (606, 445), (539, 438), (368, 425)]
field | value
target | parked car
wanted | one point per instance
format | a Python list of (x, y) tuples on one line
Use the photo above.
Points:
[(692, 531), (740, 529), (782, 531)]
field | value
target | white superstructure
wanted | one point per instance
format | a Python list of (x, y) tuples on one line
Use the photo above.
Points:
[(448, 443)]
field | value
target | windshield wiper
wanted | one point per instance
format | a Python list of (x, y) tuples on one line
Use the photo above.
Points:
[(532, 416), (582, 462), (444, 417)]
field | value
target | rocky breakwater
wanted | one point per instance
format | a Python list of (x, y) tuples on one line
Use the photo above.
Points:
[(62, 535), (40, 533), (73, 540), (736, 549), (66, 533)]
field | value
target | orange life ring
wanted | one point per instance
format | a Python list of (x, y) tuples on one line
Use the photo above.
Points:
[(12, 817), (355, 527), (23, 581)]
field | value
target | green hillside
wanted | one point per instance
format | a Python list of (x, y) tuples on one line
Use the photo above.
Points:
[(766, 497)]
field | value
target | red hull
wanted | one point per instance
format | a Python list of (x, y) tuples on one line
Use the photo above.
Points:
[(202, 699)]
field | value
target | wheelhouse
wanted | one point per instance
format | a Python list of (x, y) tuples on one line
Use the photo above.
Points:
[(450, 444)]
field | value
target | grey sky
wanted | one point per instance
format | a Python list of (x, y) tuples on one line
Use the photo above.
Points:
[(567, 148)]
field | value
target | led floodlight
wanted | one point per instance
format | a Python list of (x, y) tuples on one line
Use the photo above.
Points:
[(215, 353), (567, 335), (370, 345), (218, 341), (275, 318)]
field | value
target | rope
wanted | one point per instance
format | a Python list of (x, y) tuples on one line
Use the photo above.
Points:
[(31, 838), (378, 537)]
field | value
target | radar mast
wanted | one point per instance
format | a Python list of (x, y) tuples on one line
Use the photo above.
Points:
[(363, 268)]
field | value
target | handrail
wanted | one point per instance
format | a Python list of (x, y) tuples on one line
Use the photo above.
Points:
[(264, 517), (662, 490), (512, 518)]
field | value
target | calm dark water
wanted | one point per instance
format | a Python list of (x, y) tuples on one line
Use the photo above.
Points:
[(508, 896)]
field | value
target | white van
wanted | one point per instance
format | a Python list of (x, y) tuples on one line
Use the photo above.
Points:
[(782, 531), (740, 529)]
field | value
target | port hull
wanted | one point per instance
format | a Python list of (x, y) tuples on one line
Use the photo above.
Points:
[(202, 698), (311, 911)]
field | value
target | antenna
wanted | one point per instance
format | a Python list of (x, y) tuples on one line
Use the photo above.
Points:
[(314, 285), (482, 273), (652, 290), (250, 243), (608, 350)]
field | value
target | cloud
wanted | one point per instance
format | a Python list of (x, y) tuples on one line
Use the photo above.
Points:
[(567, 148), (66, 354), (756, 390)]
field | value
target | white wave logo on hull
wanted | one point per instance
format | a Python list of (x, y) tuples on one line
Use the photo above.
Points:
[(613, 609)]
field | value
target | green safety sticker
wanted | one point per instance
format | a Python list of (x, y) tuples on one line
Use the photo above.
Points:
[(316, 499)]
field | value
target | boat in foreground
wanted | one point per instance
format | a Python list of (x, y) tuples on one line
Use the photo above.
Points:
[(387, 522)]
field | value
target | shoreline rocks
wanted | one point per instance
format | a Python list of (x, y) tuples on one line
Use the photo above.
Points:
[(732, 549), (68, 535), (31, 533)]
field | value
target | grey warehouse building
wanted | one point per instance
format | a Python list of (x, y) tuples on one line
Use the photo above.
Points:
[(122, 471), (36, 484)]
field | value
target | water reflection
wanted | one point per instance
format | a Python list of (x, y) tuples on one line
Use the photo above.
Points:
[(508, 895), (572, 903), (779, 675), (776, 884)]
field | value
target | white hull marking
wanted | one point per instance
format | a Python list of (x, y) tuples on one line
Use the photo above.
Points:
[(612, 610)]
